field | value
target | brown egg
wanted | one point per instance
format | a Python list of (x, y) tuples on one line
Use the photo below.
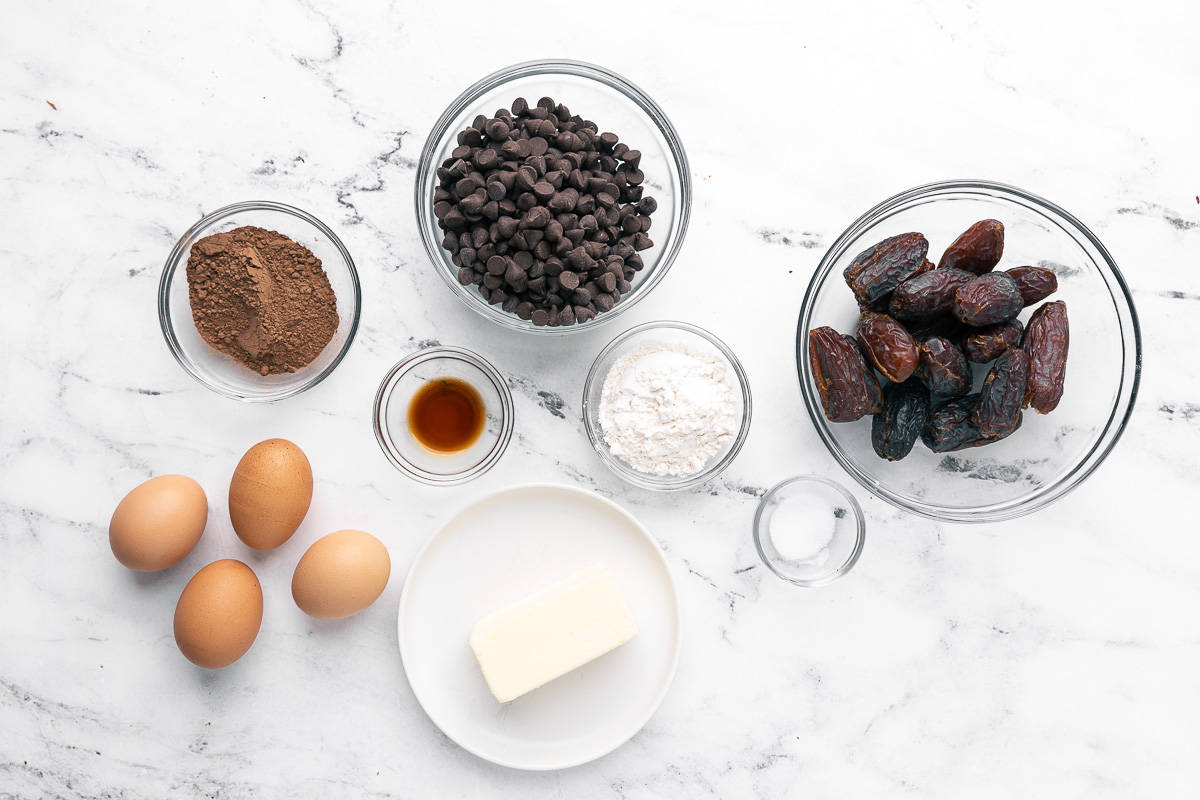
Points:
[(341, 574), (218, 614), (158, 523), (269, 494)]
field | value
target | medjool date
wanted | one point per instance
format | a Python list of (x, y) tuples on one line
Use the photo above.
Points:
[(847, 390), (887, 345), (1046, 341), (943, 368), (998, 412), (927, 295), (944, 325), (874, 390), (1034, 283), (905, 410), (987, 300), (988, 344), (977, 249), (875, 272), (949, 426)]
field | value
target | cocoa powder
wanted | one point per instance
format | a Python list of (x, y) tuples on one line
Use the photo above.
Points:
[(261, 298)]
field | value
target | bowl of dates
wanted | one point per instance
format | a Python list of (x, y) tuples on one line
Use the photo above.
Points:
[(968, 351)]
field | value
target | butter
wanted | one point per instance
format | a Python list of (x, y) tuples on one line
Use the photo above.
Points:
[(546, 635)]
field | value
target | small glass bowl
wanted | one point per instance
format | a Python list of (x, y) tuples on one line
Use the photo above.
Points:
[(811, 558), (615, 105), (1051, 454), (391, 416), (670, 332), (220, 372)]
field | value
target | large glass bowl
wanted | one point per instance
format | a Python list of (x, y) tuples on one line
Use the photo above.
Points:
[(615, 105), (1051, 454), (220, 372)]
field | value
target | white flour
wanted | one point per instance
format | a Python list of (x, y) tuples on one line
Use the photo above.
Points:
[(667, 410)]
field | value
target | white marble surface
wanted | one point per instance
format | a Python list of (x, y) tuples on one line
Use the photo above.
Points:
[(1056, 656)]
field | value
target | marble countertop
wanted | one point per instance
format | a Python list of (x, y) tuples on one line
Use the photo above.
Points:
[(1055, 656)]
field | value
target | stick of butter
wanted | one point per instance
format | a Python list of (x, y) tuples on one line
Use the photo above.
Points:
[(545, 636)]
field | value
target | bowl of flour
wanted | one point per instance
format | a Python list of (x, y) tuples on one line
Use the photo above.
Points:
[(667, 405)]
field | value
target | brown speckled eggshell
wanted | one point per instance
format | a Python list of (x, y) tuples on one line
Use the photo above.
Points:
[(219, 614), (341, 574), (158, 523), (270, 493)]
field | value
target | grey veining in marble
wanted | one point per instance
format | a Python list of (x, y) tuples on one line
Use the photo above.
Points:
[(1056, 656)]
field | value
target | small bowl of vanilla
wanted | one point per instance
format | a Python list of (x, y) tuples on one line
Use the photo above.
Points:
[(667, 405)]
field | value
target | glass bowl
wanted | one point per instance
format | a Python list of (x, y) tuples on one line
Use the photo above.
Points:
[(1051, 454), (220, 372), (412, 458), (809, 530), (668, 332), (615, 105)]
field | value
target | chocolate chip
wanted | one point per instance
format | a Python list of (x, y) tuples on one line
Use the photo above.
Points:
[(526, 178), (464, 187), (474, 203), (506, 226), (497, 129), (569, 280), (496, 190), (513, 271)]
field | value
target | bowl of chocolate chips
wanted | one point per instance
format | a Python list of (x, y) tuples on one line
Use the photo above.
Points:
[(552, 196)]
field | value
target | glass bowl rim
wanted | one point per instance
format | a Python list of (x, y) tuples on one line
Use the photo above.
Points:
[(388, 385), (175, 259), (552, 66), (595, 436), (1104, 441), (860, 535)]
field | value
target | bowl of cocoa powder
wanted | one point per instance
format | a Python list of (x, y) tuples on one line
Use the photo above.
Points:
[(259, 301)]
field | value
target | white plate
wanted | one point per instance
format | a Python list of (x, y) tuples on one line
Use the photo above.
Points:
[(505, 547)]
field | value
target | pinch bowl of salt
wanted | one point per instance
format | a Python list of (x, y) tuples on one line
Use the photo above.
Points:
[(667, 406), (809, 530)]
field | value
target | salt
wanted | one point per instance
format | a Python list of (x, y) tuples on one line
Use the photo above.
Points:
[(802, 529)]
